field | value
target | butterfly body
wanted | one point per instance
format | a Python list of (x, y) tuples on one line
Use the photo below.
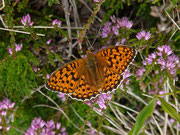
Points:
[(84, 79), (94, 74)]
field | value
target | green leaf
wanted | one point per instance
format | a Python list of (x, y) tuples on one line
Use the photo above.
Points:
[(169, 109), (142, 116)]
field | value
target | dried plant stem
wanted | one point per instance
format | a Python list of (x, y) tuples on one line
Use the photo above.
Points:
[(23, 32), (67, 14), (57, 108), (90, 21), (3, 5)]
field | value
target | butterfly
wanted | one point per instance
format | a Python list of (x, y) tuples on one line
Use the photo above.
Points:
[(84, 79)]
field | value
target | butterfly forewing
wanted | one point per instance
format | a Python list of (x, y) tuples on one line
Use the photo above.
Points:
[(65, 78), (116, 58)]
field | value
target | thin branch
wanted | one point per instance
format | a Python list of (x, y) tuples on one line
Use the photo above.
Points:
[(3, 5), (23, 32), (172, 19), (67, 14)]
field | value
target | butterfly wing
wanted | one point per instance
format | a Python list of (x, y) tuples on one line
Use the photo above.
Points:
[(111, 80), (65, 78), (116, 58), (84, 92)]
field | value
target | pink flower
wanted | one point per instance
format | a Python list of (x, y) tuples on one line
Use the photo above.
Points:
[(51, 48), (141, 71), (124, 23), (57, 22), (35, 69), (7, 128), (143, 34), (123, 41), (40, 127), (26, 20), (49, 41), (166, 49), (10, 50), (47, 76), (62, 96), (58, 125), (5, 113), (101, 100), (18, 47), (106, 30), (96, 0)]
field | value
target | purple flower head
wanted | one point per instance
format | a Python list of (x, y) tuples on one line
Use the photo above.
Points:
[(39, 127), (26, 20), (166, 49), (124, 23), (173, 58), (5, 106), (37, 123), (35, 69), (117, 44), (106, 30), (162, 62), (161, 92), (115, 30), (143, 34), (50, 125), (113, 18), (152, 55), (47, 76), (150, 58), (49, 41), (123, 41), (18, 47), (57, 22), (101, 100), (51, 48), (7, 128), (92, 132), (58, 125), (158, 102), (89, 124), (141, 71), (170, 64), (126, 74), (63, 129), (3, 113), (89, 102), (173, 71), (46, 131), (10, 50), (62, 96), (172, 121), (96, 0)]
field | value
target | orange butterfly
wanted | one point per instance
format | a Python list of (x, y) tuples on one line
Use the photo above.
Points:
[(84, 79)]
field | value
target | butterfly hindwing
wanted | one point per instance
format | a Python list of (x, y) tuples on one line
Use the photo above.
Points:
[(111, 80), (83, 91)]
